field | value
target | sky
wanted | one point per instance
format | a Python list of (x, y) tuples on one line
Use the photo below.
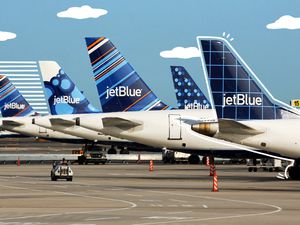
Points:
[(142, 29)]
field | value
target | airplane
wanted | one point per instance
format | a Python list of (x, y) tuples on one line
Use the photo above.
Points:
[(251, 115), (17, 115), (65, 100), (120, 89), (190, 96)]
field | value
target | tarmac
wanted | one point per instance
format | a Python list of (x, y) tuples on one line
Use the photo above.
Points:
[(131, 194)]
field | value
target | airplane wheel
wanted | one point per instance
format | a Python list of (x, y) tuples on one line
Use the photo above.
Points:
[(294, 173)]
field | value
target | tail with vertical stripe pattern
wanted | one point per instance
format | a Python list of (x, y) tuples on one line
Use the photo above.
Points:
[(120, 88)]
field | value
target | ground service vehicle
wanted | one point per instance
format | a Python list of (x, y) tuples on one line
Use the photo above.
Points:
[(61, 171)]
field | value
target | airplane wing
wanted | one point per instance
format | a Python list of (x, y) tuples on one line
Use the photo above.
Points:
[(234, 127), (11, 123), (62, 122), (119, 123)]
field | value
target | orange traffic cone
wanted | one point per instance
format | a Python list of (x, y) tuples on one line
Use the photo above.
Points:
[(207, 160), (18, 161), (212, 169), (215, 183), (151, 165)]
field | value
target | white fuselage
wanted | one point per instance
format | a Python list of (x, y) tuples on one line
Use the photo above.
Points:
[(280, 136), (78, 131), (27, 128), (169, 129)]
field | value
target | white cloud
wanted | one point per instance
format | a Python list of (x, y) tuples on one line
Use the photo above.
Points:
[(285, 22), (181, 53), (83, 12), (4, 36)]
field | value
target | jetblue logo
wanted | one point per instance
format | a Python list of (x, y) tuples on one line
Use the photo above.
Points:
[(122, 91), (195, 105), (241, 99), (65, 99), (14, 105)]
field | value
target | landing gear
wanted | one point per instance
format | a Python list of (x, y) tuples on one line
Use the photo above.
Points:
[(124, 151), (112, 150), (194, 159), (294, 171)]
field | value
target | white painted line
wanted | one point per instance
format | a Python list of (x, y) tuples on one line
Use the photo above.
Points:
[(134, 195), (18, 62), (149, 200), (132, 205), (18, 70), (156, 205), (276, 209), (28, 87), (177, 200), (171, 213), (18, 66), (187, 205), (167, 218), (103, 218), (11, 75)]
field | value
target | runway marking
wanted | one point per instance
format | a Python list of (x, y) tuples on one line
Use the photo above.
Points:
[(103, 218), (134, 195), (133, 205), (166, 217), (277, 209), (149, 200), (82, 224), (171, 213), (156, 205), (176, 200)]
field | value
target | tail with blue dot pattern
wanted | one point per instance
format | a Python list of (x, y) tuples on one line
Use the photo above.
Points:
[(188, 94), (236, 91), (12, 103), (120, 88), (62, 94)]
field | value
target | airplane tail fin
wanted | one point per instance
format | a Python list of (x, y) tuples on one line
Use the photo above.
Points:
[(236, 91), (63, 95), (119, 86), (12, 103), (188, 94)]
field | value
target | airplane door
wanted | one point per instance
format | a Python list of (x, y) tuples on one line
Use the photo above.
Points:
[(42, 130), (174, 127)]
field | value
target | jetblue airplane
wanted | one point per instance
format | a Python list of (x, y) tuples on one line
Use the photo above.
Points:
[(133, 111), (190, 96), (248, 112), (17, 114), (65, 99)]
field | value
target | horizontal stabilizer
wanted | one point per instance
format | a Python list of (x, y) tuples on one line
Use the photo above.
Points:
[(62, 122), (11, 123), (119, 123), (234, 127)]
